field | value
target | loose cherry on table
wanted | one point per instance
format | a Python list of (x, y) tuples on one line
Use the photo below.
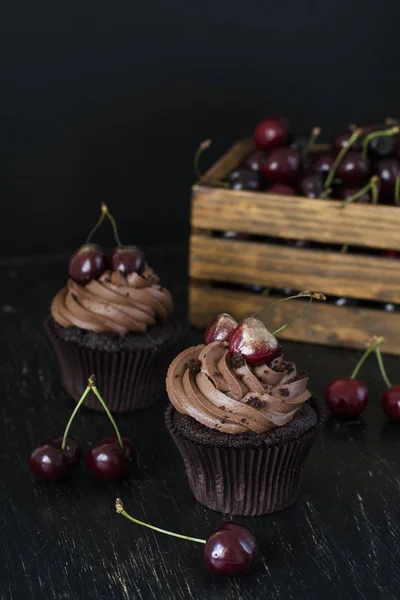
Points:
[(230, 550), (271, 133), (281, 166), (391, 402), (55, 457)]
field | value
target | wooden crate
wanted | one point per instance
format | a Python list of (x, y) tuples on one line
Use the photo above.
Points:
[(373, 279)]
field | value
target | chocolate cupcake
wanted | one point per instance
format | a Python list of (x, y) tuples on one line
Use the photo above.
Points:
[(243, 430), (115, 322)]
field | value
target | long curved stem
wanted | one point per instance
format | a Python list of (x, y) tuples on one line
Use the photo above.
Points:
[(382, 367), (304, 294), (196, 159), (374, 134), (120, 510), (371, 348), (99, 222), (72, 417), (109, 415), (355, 135), (113, 225), (369, 186)]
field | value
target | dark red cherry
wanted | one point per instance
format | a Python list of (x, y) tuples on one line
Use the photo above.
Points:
[(254, 342), (391, 402), (346, 397), (323, 165), (387, 169), (281, 189), (220, 329), (311, 186), (87, 263), (342, 139), (128, 259), (71, 452), (353, 168), (107, 462), (47, 462), (230, 550), (345, 193), (281, 166), (381, 146), (253, 161), (245, 179), (129, 450), (271, 133)]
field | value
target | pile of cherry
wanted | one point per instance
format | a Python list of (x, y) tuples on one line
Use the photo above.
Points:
[(363, 163)]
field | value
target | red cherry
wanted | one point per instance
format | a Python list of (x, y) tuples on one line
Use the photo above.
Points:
[(323, 164), (271, 133), (391, 402), (47, 462), (230, 550), (87, 263), (281, 189), (311, 186), (346, 397), (128, 259), (387, 169), (353, 168), (282, 165), (129, 450), (253, 161), (245, 179), (107, 462), (220, 329), (254, 342), (342, 139), (71, 452)]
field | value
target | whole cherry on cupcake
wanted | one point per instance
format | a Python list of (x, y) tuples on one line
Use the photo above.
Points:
[(87, 263), (109, 459), (220, 329), (230, 550)]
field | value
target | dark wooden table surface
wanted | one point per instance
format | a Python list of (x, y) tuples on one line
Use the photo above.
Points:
[(65, 541)]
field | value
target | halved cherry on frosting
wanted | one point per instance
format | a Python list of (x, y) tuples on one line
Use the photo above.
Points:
[(220, 329), (252, 340)]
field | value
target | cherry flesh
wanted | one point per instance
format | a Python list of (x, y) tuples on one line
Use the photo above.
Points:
[(107, 461), (128, 259), (282, 165), (311, 186), (47, 462), (245, 179), (391, 402), (346, 397), (220, 329), (230, 550), (271, 133), (71, 452), (129, 450), (252, 340), (280, 188), (253, 161), (87, 263)]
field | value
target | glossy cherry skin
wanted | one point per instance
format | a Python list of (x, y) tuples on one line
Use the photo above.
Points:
[(346, 397), (345, 193), (71, 453), (128, 259), (220, 329), (280, 188), (47, 462), (387, 169), (381, 146), (271, 133), (311, 186), (252, 340), (323, 165), (107, 462), (253, 161), (391, 402), (281, 166), (245, 179), (353, 169), (129, 450), (230, 550), (342, 139), (87, 263)]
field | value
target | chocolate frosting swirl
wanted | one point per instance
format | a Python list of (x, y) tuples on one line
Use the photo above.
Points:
[(113, 303), (225, 393)]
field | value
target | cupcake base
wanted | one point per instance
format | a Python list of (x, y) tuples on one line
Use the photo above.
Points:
[(130, 371), (253, 475)]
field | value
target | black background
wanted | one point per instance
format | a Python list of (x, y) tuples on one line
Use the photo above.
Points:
[(108, 101)]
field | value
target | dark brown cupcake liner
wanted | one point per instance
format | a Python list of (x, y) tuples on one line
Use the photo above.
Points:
[(245, 481), (127, 379)]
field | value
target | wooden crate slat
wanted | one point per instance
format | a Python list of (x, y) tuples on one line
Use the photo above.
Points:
[(321, 324), (277, 266), (227, 162), (296, 217)]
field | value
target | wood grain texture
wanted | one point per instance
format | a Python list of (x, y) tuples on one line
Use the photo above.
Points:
[(295, 217), (279, 266), (65, 541), (321, 324), (227, 162)]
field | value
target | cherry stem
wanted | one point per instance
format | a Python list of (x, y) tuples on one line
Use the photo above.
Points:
[(304, 294), (376, 341), (120, 510), (382, 367), (397, 189), (354, 136), (104, 405), (371, 185), (196, 160), (374, 134), (104, 210), (72, 417), (315, 133), (325, 193)]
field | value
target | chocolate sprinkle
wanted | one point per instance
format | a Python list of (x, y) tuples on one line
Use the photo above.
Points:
[(255, 402), (284, 392), (193, 365), (237, 361), (217, 374)]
